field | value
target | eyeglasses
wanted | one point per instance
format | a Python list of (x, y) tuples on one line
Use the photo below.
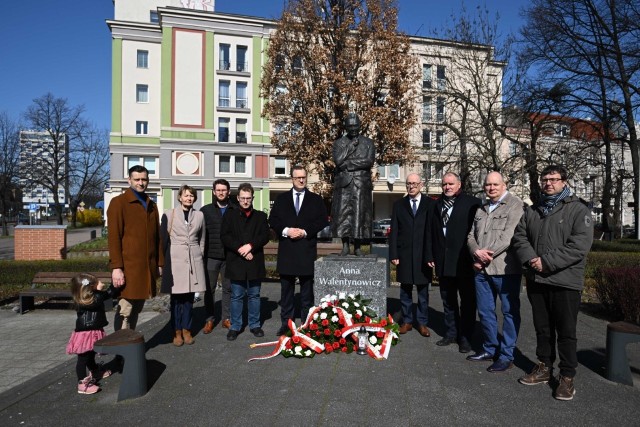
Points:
[(300, 178), (245, 199), (550, 180), (413, 184)]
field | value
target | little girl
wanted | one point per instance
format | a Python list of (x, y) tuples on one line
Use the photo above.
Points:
[(89, 295)]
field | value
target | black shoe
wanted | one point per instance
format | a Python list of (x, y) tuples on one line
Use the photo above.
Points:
[(257, 332), (282, 331), (464, 347), (232, 335), (445, 341), (480, 357), (500, 366)]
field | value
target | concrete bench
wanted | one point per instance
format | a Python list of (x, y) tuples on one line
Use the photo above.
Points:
[(27, 296), (128, 344), (619, 334)]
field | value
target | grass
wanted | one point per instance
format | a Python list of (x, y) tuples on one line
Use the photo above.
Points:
[(98, 244)]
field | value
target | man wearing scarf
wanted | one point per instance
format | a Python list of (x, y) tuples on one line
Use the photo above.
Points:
[(552, 241), (446, 251)]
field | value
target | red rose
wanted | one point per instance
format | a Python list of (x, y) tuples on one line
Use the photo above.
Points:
[(327, 331), (337, 332), (367, 319), (344, 349), (288, 345), (380, 334), (325, 322), (336, 345), (308, 334), (314, 327), (358, 316), (383, 322), (303, 345), (318, 333), (296, 339), (342, 341), (328, 348)]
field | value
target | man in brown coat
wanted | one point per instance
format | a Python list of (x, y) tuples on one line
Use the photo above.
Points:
[(135, 252)]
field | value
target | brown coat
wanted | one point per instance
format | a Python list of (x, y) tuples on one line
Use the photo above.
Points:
[(134, 244)]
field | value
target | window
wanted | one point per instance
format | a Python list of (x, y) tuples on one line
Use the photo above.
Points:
[(224, 57), (142, 93), (426, 76), (440, 109), (151, 163), (241, 131), (389, 171), (223, 129), (142, 128), (562, 131), (513, 148), (143, 59), (223, 93), (426, 108), (241, 95), (296, 66), (439, 140), (433, 171), (280, 166), (233, 164), (426, 139), (279, 63), (440, 75), (241, 59), (153, 16)]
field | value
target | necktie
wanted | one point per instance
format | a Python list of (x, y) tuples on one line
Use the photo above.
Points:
[(447, 204), (415, 207), (298, 203)]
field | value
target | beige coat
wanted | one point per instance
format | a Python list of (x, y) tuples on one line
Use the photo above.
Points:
[(184, 270), (494, 231)]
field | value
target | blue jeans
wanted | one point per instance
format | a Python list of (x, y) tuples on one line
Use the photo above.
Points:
[(406, 300), (181, 310), (250, 288), (507, 287)]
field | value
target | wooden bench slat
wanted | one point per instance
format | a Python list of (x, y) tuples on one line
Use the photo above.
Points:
[(42, 292)]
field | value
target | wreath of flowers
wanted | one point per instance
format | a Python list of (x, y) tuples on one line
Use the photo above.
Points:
[(335, 326)]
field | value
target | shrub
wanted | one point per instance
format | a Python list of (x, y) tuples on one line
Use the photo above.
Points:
[(618, 290), (599, 260), (90, 217), (621, 245)]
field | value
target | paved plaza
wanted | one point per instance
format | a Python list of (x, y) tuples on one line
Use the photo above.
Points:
[(211, 382)]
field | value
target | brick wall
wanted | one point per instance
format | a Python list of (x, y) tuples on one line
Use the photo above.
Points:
[(32, 242)]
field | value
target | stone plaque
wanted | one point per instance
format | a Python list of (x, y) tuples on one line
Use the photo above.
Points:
[(366, 276)]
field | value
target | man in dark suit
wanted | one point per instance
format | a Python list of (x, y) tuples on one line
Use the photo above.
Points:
[(409, 220), (447, 252), (296, 217)]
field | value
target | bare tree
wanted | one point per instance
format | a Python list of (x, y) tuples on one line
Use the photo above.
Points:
[(62, 123), (330, 57), (592, 47), (9, 162)]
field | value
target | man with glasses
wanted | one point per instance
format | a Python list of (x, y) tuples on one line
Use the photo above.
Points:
[(244, 234), (213, 214), (447, 252), (296, 217), (552, 241), (409, 231)]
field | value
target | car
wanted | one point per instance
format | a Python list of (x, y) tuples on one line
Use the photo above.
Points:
[(381, 230)]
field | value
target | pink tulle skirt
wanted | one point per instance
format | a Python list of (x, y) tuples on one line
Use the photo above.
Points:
[(81, 342)]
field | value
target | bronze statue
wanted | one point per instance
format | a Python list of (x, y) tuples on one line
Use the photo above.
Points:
[(351, 212)]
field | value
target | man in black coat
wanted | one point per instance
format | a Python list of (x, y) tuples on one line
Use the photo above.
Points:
[(409, 231), (213, 213), (447, 252), (244, 233), (296, 217)]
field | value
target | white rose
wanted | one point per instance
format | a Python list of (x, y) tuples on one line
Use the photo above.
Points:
[(345, 305), (352, 296), (307, 353), (298, 349), (315, 316), (333, 297), (359, 312), (334, 319), (324, 305), (342, 295), (335, 310), (323, 316), (356, 304), (373, 339)]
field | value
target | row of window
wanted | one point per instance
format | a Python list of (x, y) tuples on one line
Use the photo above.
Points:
[(427, 110), (225, 99), (429, 143), (427, 77), (225, 164)]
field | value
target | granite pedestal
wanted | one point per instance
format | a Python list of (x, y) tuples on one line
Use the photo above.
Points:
[(366, 276)]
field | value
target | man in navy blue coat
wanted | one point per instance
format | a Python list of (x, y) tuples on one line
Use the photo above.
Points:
[(296, 217), (409, 231)]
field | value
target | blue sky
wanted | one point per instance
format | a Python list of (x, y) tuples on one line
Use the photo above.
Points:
[(64, 47)]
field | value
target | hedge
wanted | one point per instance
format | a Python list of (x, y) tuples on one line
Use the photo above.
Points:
[(618, 290)]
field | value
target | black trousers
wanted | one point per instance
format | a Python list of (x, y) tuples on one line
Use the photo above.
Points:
[(459, 318), (287, 292), (86, 360), (555, 316)]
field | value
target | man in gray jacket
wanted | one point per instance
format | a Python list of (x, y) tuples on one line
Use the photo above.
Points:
[(552, 241), (498, 272)]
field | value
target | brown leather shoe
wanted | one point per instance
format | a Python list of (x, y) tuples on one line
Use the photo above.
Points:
[(226, 323), (424, 331), (208, 327), (406, 327), (186, 335), (177, 339)]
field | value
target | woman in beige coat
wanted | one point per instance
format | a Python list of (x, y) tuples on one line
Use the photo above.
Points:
[(182, 230)]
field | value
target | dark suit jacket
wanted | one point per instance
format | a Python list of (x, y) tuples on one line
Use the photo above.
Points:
[(407, 239), (237, 230), (296, 257), (450, 253)]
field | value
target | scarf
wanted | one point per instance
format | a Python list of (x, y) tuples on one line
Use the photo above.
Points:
[(547, 203)]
